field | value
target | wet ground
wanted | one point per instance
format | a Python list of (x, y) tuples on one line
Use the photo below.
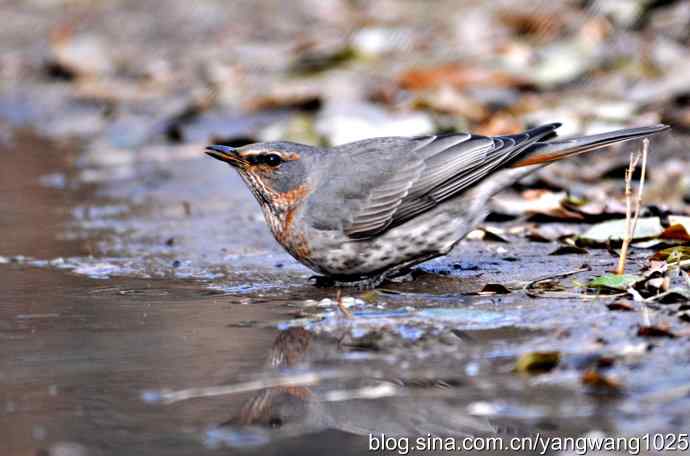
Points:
[(145, 307), (118, 294)]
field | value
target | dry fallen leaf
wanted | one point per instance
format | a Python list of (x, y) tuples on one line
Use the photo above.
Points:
[(672, 255), (543, 202), (459, 76), (569, 250), (655, 331), (595, 379), (536, 25), (620, 306), (492, 289), (676, 232), (537, 362)]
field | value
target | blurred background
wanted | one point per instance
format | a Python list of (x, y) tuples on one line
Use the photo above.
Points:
[(131, 261), (123, 76)]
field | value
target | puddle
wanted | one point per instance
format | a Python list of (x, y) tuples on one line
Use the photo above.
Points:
[(151, 285)]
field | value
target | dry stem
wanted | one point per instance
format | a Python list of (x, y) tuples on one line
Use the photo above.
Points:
[(630, 217)]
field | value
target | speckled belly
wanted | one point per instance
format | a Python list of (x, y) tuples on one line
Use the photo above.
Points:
[(418, 240)]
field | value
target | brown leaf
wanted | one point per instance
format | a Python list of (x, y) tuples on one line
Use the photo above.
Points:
[(458, 75), (677, 232), (541, 26), (595, 379), (655, 331), (674, 253), (621, 306)]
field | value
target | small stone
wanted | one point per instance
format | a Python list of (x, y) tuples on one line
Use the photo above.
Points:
[(68, 449), (348, 301), (374, 41), (326, 302), (79, 56)]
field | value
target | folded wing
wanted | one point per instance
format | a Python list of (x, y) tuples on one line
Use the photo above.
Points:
[(381, 183)]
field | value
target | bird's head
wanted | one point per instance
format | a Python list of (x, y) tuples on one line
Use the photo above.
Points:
[(277, 173)]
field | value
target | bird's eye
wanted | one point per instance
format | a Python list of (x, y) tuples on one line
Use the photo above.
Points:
[(272, 159), (265, 159)]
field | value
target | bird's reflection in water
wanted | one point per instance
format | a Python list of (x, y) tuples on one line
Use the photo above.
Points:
[(416, 408)]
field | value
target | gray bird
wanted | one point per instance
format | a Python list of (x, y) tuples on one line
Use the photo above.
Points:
[(367, 211)]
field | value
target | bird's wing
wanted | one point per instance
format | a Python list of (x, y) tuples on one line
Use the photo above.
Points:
[(373, 185)]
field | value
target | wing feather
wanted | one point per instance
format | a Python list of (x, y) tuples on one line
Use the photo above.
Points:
[(396, 179)]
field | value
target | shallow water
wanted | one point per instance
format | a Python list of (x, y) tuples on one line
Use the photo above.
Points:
[(123, 281)]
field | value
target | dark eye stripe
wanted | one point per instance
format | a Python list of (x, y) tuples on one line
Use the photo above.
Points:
[(265, 159)]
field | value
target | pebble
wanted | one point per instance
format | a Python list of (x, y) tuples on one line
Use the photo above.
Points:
[(347, 301), (68, 449), (81, 56)]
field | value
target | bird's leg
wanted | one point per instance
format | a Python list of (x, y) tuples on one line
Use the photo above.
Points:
[(341, 306), (356, 283)]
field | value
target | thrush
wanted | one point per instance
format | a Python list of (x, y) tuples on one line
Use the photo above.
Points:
[(367, 211)]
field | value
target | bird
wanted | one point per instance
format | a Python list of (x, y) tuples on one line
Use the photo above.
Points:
[(361, 213)]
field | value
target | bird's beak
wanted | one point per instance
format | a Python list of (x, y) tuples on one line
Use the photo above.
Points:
[(225, 154)]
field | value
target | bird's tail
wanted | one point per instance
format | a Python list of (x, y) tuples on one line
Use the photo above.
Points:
[(549, 151)]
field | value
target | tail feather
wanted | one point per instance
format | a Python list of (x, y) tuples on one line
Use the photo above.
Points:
[(550, 151)]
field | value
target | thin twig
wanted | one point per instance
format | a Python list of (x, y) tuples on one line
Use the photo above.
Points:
[(630, 217), (529, 288)]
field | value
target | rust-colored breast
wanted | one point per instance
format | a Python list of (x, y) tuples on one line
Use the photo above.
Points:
[(292, 238)]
